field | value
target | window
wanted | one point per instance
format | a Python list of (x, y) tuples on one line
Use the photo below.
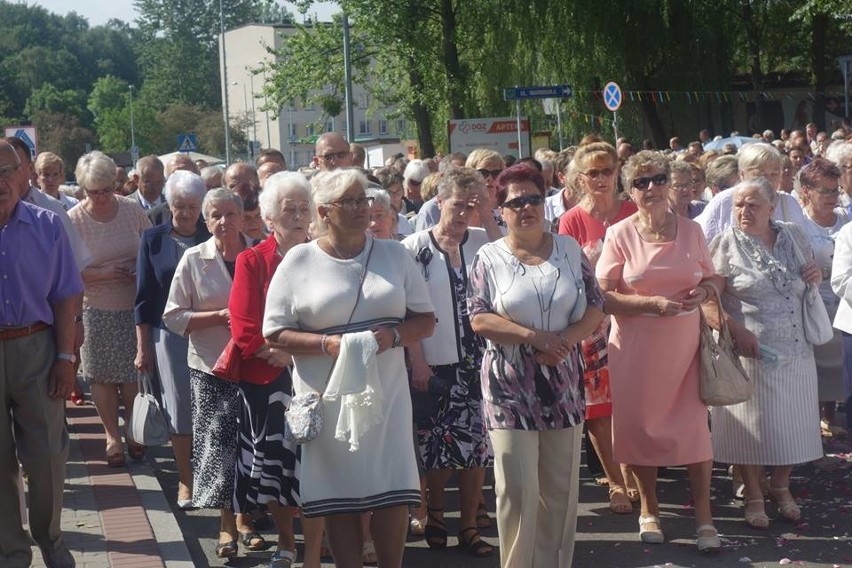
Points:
[(329, 126), (292, 130), (383, 127), (364, 127), (310, 129), (401, 127)]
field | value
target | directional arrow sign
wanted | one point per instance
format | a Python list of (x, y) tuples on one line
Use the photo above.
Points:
[(552, 92), (612, 96)]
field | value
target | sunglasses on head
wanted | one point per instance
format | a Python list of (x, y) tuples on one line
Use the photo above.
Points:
[(521, 202), (644, 183)]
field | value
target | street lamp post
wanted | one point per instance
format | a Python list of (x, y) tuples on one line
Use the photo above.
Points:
[(134, 151), (253, 116), (225, 112)]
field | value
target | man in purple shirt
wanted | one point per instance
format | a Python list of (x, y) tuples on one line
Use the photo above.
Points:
[(40, 289)]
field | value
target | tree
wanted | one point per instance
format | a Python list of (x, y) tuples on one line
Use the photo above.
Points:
[(62, 134), (48, 99)]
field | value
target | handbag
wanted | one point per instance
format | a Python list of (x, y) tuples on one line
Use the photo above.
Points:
[(228, 364), (147, 425), (816, 322), (722, 379), (304, 416)]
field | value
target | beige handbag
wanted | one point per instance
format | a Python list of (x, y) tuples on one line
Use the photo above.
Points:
[(723, 380)]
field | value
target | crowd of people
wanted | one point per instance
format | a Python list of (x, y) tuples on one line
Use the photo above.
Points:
[(448, 315)]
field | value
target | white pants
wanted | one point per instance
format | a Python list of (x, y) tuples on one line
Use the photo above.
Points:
[(537, 482)]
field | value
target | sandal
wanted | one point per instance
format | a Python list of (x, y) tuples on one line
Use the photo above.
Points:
[(650, 536), (787, 506), (252, 541), (483, 521), (368, 553), (282, 559), (474, 545), (436, 529), (619, 503), (417, 527), (756, 519), (633, 494), (115, 458), (711, 543), (226, 549), (135, 451), (77, 398)]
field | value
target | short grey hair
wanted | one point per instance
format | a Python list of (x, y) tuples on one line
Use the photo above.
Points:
[(277, 186), (220, 195), (763, 187), (461, 180), (330, 186), (95, 169), (643, 160), (721, 169), (756, 155), (380, 197), (183, 184), (416, 170), (839, 151), (681, 167), (210, 172)]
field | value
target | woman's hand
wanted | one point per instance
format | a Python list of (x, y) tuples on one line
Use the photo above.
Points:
[(278, 358), (384, 337), (143, 359), (332, 345), (745, 341), (420, 374), (543, 358), (695, 298), (662, 306), (811, 273), (551, 344), (224, 317)]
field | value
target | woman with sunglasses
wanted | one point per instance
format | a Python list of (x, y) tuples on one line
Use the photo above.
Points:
[(594, 170), (533, 297), (328, 298), (654, 271)]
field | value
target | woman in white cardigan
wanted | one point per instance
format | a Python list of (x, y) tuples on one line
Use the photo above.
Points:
[(447, 395), (841, 284), (198, 309)]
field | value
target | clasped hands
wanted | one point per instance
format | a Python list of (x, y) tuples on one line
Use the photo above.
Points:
[(662, 306), (550, 348)]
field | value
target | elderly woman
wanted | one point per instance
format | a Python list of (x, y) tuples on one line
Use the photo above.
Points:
[(50, 173), (392, 184), (593, 171), (682, 190), (531, 371), (266, 463), (159, 252), (819, 186), (765, 277), (653, 270), (415, 172), (383, 219), (331, 301), (111, 227), (840, 153), (197, 308), (445, 366)]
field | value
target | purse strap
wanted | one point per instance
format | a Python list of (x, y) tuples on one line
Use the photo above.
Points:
[(352, 313), (143, 382), (724, 332)]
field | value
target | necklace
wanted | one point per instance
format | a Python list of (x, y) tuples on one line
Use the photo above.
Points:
[(339, 254), (535, 254), (648, 227), (607, 214)]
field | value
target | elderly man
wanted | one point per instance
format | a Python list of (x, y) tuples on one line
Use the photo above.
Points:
[(39, 303), (332, 152), (241, 178), (268, 168), (150, 176), (270, 155), (212, 176), (181, 162)]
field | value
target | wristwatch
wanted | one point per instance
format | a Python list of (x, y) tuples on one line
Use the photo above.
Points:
[(397, 338), (70, 357)]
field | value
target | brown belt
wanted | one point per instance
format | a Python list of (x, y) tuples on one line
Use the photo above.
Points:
[(18, 332)]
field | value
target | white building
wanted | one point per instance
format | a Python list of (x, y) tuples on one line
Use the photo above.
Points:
[(296, 128)]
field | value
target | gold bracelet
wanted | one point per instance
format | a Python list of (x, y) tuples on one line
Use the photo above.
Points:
[(324, 346)]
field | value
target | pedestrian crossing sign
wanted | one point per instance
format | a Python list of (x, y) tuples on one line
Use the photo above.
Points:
[(187, 143)]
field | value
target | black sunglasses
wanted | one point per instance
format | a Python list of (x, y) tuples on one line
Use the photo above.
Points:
[(644, 183), (489, 173), (521, 202)]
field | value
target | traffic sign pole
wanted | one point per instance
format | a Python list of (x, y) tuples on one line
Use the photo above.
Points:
[(518, 122), (559, 123), (615, 125)]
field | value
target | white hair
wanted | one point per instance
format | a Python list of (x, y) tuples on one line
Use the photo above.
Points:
[(277, 186), (95, 169), (186, 185)]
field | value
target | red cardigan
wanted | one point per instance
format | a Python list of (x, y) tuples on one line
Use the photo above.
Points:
[(246, 304)]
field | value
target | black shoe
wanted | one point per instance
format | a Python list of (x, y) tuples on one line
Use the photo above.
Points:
[(58, 557)]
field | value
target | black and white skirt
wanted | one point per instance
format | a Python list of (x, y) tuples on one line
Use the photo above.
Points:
[(266, 463), (215, 414)]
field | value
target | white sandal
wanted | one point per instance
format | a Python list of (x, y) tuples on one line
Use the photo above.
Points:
[(708, 543), (650, 536)]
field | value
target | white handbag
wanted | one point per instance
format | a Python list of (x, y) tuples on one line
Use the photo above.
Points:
[(815, 320), (147, 425)]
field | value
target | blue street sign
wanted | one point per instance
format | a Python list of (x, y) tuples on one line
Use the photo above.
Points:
[(27, 139), (553, 92), (187, 143), (612, 96)]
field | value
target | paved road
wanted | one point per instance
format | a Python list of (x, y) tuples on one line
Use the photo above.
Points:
[(822, 539)]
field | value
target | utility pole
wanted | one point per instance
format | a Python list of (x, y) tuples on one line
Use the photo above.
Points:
[(225, 111)]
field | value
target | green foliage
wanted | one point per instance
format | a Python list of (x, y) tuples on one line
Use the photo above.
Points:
[(48, 99)]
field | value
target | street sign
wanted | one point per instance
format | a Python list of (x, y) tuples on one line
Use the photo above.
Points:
[(27, 134), (187, 143), (552, 92), (612, 96), (134, 154)]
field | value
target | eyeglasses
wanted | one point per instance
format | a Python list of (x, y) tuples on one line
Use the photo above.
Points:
[(598, 174), (489, 173), (826, 191), (7, 172), (521, 202), (682, 187), (335, 156), (99, 192), (644, 183), (351, 204)]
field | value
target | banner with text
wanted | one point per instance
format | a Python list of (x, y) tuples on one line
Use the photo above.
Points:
[(498, 134)]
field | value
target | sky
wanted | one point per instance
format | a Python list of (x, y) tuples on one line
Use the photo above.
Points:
[(98, 12)]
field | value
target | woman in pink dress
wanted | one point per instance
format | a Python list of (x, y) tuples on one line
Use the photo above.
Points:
[(654, 270)]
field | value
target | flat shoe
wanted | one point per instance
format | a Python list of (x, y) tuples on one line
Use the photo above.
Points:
[(619, 503), (115, 460), (252, 541), (650, 536), (135, 451), (184, 504), (708, 543), (226, 549), (756, 519), (282, 559), (787, 506)]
